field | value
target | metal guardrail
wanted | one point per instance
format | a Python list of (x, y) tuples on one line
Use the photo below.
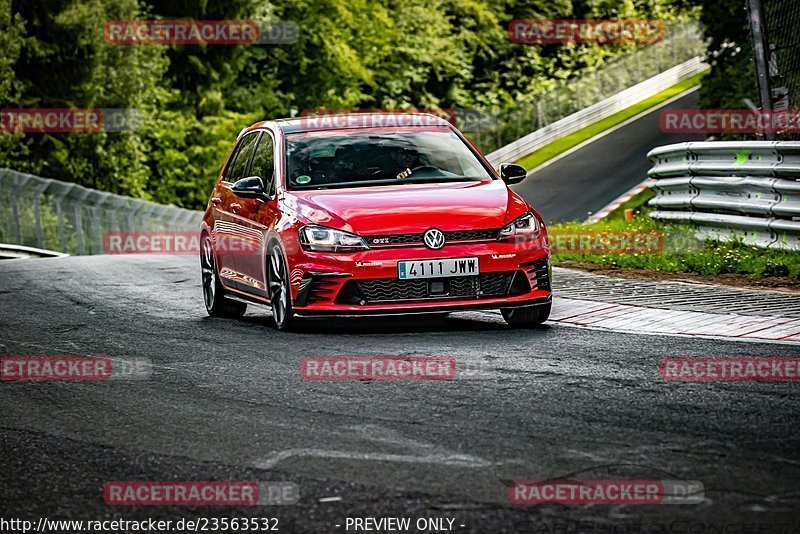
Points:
[(61, 216), (13, 252), (597, 112), (501, 136), (731, 190)]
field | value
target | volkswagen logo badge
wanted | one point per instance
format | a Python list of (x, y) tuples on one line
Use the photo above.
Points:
[(433, 238)]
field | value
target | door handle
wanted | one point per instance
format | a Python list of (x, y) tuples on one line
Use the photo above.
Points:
[(236, 206), (216, 200)]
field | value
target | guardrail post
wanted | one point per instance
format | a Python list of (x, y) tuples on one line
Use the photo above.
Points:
[(638, 62), (62, 240), (21, 181), (674, 47), (760, 48), (115, 221), (540, 113), (558, 103), (132, 214), (98, 223), (62, 237), (598, 83), (79, 199), (40, 186), (189, 216), (656, 50), (79, 228), (97, 230), (15, 216), (173, 222), (37, 213), (148, 215)]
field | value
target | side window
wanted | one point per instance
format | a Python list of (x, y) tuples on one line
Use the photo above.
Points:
[(239, 165), (264, 162)]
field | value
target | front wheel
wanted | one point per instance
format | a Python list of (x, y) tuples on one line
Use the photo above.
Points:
[(527, 316), (279, 289), (213, 292)]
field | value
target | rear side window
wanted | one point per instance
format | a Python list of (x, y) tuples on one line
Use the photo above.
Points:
[(264, 162), (242, 158)]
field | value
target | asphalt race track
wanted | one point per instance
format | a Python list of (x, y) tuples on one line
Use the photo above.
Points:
[(225, 401), (606, 167)]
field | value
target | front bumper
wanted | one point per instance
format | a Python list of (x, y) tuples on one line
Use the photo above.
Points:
[(367, 282)]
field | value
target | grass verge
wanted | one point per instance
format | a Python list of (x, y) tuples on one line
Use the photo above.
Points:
[(637, 203), (563, 144), (679, 251)]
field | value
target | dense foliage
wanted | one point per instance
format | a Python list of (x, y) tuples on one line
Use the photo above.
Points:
[(194, 99), (732, 77)]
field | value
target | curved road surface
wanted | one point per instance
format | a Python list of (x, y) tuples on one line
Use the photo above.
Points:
[(572, 188), (225, 401)]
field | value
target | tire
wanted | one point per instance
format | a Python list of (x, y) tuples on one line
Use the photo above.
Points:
[(279, 289), (527, 316), (213, 292)]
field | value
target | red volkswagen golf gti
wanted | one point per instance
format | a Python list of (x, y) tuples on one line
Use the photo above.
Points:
[(370, 214)]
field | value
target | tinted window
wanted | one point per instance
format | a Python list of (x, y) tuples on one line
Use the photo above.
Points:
[(242, 157), (264, 161), (375, 157)]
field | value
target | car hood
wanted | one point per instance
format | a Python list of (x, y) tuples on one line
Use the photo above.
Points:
[(409, 208)]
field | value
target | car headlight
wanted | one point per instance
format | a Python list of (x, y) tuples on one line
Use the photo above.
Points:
[(323, 239), (526, 225)]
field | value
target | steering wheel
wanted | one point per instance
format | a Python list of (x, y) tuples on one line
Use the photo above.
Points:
[(424, 168)]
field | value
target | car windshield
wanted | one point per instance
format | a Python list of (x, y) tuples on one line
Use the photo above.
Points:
[(354, 158)]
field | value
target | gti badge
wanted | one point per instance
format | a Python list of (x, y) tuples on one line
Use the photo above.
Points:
[(433, 238)]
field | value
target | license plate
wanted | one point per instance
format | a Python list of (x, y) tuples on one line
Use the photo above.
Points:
[(437, 268)]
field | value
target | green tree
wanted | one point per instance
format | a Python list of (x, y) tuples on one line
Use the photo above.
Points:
[(730, 54), (64, 62)]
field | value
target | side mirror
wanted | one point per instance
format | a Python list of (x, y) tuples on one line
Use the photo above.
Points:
[(511, 173), (250, 187)]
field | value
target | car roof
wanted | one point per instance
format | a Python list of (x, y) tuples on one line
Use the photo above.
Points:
[(343, 121)]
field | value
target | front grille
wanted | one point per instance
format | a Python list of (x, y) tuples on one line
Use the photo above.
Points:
[(458, 287), (472, 235), (458, 236)]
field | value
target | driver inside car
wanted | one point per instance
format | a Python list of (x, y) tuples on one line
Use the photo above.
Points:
[(405, 161), (347, 165)]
